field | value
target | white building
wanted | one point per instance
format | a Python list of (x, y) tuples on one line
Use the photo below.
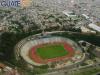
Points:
[(86, 30), (94, 27), (85, 16), (71, 15)]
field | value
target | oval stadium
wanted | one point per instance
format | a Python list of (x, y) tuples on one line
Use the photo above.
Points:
[(39, 50)]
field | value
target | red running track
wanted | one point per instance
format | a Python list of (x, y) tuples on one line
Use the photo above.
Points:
[(38, 59)]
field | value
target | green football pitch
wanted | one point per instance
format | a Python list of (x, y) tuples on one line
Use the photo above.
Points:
[(51, 51)]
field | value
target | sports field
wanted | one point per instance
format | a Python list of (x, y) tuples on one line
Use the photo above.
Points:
[(51, 51)]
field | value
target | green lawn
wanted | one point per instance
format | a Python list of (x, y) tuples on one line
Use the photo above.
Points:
[(51, 51), (88, 71)]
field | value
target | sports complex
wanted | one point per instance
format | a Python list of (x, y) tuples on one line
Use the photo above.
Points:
[(40, 50)]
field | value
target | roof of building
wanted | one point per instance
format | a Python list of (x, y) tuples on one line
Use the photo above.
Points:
[(69, 14), (94, 26)]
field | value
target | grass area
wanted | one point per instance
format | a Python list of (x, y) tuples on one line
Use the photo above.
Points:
[(88, 71), (51, 51)]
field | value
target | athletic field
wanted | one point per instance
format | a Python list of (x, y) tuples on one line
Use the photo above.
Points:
[(51, 51), (44, 50)]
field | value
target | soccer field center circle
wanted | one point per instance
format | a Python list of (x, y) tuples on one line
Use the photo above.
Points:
[(41, 51)]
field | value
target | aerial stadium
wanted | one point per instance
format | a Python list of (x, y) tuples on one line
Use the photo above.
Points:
[(45, 50)]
